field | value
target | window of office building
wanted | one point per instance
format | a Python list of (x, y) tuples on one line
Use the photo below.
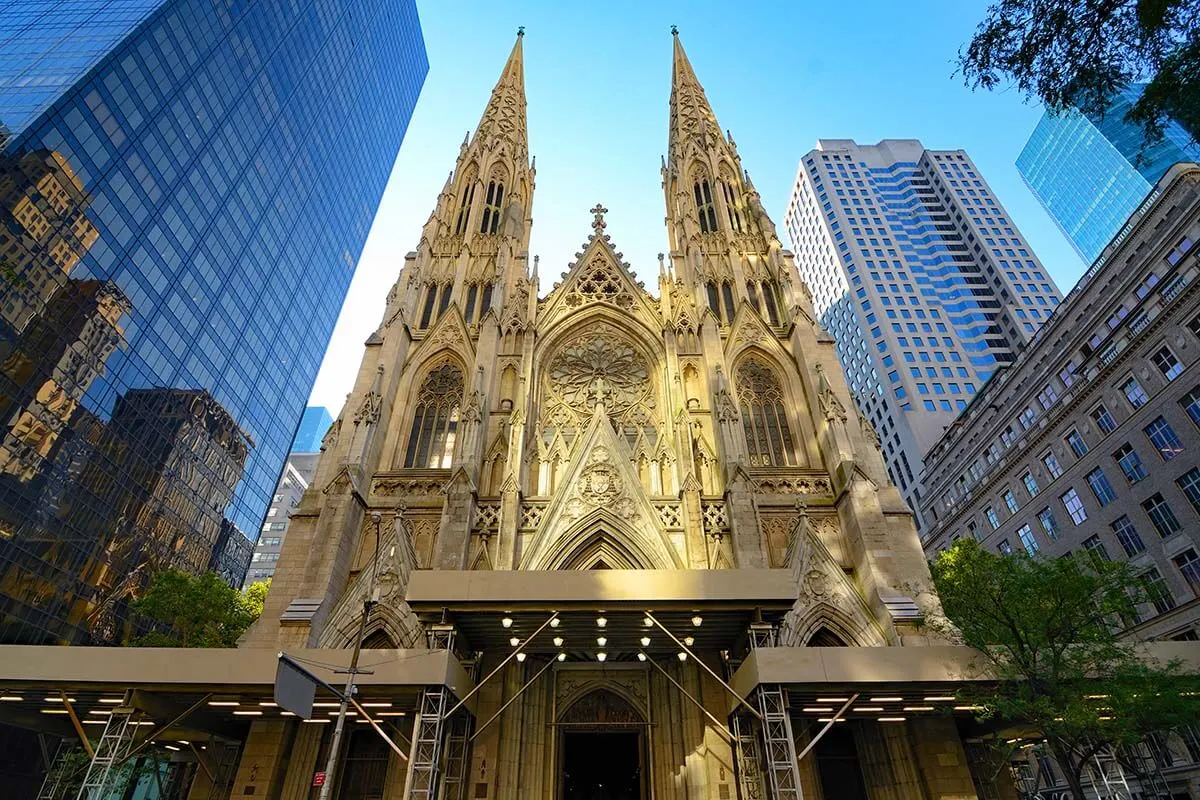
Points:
[(1134, 392), (1074, 506), (1103, 419), (1075, 441), (1048, 523), (1052, 465), (1130, 463), (1189, 566), (1025, 534), (1157, 590), (1030, 484), (1127, 535), (1163, 437), (1160, 513), (1101, 487), (1167, 363), (1189, 484)]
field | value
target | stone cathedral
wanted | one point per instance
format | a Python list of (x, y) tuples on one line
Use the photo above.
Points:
[(647, 533)]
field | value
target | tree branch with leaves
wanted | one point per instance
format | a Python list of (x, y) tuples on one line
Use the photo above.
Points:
[(184, 610), (1049, 631), (1080, 53)]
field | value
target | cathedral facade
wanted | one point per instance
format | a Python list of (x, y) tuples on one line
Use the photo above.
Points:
[(650, 527)]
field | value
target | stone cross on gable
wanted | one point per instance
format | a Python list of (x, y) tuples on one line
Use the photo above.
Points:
[(598, 224)]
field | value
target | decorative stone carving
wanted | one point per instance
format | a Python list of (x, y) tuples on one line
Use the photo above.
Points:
[(775, 483), (831, 407), (391, 487), (600, 366), (573, 684), (331, 435), (600, 485)]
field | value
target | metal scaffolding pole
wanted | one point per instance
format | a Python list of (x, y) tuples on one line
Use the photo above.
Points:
[(748, 755), (115, 743), (783, 773), (423, 764)]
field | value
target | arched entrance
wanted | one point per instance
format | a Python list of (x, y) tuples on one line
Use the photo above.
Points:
[(602, 742)]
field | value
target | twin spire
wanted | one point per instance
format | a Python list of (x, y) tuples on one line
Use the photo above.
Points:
[(504, 116)]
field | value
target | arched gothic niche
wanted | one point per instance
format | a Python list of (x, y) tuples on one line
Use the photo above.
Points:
[(603, 537), (593, 362), (601, 707), (432, 424), (770, 441)]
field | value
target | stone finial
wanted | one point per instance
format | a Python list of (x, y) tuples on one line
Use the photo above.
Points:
[(598, 224)]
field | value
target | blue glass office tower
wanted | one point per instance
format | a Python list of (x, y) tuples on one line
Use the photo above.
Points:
[(180, 217), (1089, 171), (313, 426)]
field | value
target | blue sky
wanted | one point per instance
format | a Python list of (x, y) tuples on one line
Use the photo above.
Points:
[(779, 76)]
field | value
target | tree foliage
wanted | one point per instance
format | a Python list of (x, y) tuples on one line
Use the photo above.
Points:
[(1079, 53), (1049, 630), (184, 610)]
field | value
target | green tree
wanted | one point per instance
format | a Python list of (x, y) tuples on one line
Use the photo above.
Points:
[(1079, 53), (1049, 631), (185, 610)]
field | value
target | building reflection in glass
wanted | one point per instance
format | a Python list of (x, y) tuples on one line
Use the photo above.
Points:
[(180, 218)]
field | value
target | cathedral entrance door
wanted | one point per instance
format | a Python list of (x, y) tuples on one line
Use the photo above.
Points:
[(602, 766)]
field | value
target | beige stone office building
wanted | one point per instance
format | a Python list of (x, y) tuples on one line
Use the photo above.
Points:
[(1091, 438), (623, 544)]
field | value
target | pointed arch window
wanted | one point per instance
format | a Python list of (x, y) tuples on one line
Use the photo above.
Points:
[(704, 207), (491, 208), (464, 210), (714, 300), (430, 302), (764, 419), (727, 294), (486, 302), (752, 293), (770, 301), (435, 420), (469, 308), (732, 206)]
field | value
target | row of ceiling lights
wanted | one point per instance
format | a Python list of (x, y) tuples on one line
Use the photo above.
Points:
[(601, 641), (601, 621)]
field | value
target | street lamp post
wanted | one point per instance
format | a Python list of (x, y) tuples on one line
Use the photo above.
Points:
[(368, 604)]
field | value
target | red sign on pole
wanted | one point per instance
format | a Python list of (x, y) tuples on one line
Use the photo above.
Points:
[(319, 779)]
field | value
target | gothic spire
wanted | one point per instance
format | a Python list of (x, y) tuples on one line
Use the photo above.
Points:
[(691, 115), (504, 117)]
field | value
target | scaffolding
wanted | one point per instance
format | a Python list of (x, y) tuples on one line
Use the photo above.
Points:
[(457, 759), (59, 775), (749, 757), (115, 744), (422, 783), (783, 775)]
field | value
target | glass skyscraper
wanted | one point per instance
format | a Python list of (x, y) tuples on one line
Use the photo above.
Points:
[(922, 279), (313, 426), (1089, 171), (184, 195)]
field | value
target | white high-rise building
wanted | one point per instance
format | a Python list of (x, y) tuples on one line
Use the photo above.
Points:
[(921, 277)]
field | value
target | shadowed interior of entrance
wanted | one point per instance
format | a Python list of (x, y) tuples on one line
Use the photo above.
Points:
[(601, 766)]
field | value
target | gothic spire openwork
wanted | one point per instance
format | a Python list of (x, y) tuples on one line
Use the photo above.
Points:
[(504, 116), (691, 115)]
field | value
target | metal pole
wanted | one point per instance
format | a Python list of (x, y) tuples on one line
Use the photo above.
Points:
[(395, 748), (722, 727), (707, 668), (510, 700), (823, 731), (336, 743), (491, 674)]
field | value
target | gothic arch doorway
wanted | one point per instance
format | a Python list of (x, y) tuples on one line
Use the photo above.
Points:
[(602, 746)]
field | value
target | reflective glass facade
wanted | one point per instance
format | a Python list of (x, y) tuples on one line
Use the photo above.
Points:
[(921, 277), (178, 229), (46, 45), (1089, 173), (313, 425)]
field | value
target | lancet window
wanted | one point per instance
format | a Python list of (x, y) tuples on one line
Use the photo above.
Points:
[(732, 206), (432, 303), (477, 297), (764, 298), (435, 420), (490, 223), (704, 207), (464, 210), (764, 418), (718, 292)]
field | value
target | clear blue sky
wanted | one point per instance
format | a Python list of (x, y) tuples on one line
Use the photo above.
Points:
[(779, 76)]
